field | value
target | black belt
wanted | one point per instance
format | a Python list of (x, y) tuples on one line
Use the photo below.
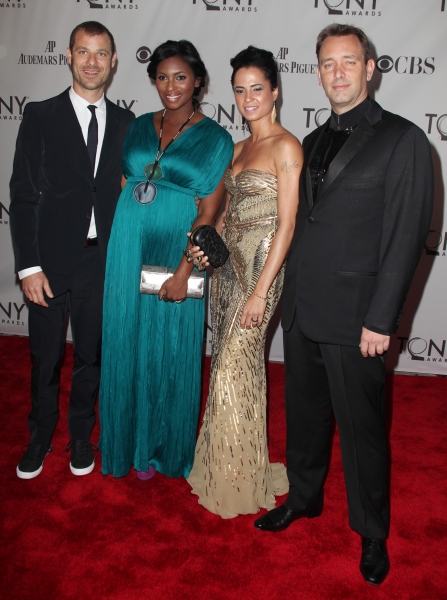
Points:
[(91, 242)]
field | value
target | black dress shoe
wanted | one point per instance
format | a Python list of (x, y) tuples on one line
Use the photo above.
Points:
[(374, 564), (280, 518)]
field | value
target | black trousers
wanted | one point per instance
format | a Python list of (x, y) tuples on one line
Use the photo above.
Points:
[(47, 330), (323, 380)]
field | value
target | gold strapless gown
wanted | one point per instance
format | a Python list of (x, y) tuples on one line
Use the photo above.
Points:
[(232, 474)]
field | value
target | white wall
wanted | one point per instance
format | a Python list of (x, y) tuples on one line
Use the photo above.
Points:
[(409, 39)]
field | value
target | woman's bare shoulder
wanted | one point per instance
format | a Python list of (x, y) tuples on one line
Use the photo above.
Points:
[(287, 152), (287, 140)]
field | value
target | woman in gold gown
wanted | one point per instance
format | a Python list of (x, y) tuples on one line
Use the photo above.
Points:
[(232, 473)]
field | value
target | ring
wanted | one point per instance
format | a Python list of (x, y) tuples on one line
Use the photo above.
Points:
[(255, 320), (179, 301)]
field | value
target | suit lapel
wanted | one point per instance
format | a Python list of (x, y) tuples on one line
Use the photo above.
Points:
[(359, 137), (307, 180), (112, 123), (73, 132)]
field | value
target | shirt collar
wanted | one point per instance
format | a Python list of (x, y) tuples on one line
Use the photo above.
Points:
[(350, 119), (79, 103)]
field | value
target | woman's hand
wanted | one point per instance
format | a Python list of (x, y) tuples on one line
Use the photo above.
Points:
[(197, 254), (207, 213), (174, 289), (253, 312)]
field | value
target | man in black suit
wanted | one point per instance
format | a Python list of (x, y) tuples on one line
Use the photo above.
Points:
[(64, 189), (365, 207)]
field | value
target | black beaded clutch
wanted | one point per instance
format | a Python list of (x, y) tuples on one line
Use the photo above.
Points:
[(211, 243)]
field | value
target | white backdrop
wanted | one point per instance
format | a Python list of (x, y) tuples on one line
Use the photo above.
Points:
[(409, 39)]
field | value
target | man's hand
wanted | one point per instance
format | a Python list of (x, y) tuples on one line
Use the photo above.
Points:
[(373, 343), (33, 287)]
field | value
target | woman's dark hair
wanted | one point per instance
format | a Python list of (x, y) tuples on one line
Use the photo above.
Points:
[(256, 57), (185, 50)]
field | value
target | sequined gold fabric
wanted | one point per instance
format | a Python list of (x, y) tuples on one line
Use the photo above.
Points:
[(232, 474)]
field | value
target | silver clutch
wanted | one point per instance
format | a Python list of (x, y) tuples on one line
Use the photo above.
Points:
[(152, 278)]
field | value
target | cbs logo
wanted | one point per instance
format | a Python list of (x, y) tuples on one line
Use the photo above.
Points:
[(406, 65), (143, 54)]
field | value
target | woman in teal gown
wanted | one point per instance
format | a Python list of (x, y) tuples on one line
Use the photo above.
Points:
[(152, 348)]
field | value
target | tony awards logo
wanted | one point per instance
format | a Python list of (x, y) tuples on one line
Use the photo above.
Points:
[(236, 6), (352, 8), (423, 350), (10, 313), (318, 115), (437, 123), (116, 4), (11, 107)]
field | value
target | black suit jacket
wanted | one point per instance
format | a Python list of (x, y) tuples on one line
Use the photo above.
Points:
[(53, 189), (355, 250)]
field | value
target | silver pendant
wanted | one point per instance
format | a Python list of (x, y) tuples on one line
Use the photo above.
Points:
[(145, 192)]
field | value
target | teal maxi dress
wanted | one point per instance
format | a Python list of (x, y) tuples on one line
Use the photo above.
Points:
[(151, 349)]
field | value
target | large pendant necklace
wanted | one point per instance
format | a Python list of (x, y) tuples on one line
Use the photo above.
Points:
[(145, 192)]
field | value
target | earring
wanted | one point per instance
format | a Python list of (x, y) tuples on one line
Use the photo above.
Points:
[(273, 113)]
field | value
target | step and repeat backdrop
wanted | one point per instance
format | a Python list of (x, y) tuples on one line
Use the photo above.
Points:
[(410, 79)]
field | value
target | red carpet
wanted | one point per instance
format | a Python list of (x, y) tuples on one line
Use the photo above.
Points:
[(96, 537)]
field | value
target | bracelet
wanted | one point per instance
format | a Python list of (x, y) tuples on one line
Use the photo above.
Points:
[(262, 297), (187, 254)]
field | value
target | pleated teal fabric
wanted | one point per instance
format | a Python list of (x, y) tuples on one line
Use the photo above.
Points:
[(151, 350)]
